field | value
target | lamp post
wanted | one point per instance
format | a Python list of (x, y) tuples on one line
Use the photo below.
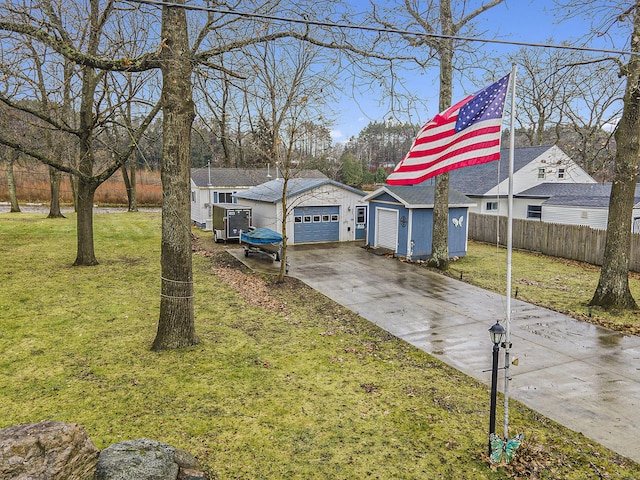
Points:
[(497, 334)]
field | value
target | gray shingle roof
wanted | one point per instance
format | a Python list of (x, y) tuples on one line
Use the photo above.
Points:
[(552, 189), (479, 179), (242, 177), (271, 192), (576, 195), (422, 196)]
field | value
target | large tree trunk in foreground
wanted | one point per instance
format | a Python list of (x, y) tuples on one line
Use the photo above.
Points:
[(613, 286), (440, 243), (176, 325)]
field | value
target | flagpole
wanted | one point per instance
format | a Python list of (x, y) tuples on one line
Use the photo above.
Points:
[(507, 341)]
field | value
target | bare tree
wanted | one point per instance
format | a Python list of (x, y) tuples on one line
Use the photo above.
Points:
[(613, 286), (592, 113), (56, 40), (567, 98), (446, 18), (177, 57), (291, 84)]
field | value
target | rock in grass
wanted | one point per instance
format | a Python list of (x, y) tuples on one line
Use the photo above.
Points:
[(145, 459), (142, 459), (52, 450)]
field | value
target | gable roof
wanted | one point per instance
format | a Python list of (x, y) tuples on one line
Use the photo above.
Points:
[(271, 192), (420, 196), (241, 177), (479, 179)]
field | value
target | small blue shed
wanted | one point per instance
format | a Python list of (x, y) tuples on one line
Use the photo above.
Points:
[(401, 220)]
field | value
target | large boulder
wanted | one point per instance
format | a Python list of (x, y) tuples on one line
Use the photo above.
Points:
[(145, 459), (47, 450)]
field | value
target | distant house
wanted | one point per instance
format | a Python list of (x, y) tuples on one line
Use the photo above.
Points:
[(488, 184), (318, 209), (578, 204), (401, 220), (218, 185)]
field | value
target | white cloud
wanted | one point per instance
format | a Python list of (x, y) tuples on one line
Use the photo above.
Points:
[(336, 135)]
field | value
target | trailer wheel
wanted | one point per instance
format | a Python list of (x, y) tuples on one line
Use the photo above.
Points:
[(215, 236), (246, 252)]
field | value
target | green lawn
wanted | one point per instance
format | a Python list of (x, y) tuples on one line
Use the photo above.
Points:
[(562, 285), (293, 386)]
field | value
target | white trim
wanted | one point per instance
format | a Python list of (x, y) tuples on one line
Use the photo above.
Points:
[(378, 230)]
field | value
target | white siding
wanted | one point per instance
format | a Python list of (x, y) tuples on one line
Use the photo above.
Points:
[(551, 160), (269, 215), (591, 217), (204, 197)]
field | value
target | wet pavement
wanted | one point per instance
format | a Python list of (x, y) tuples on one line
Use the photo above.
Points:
[(584, 377)]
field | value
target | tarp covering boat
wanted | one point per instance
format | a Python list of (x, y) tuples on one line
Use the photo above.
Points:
[(261, 236)]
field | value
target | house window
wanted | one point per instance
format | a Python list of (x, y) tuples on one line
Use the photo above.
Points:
[(542, 173), (316, 218), (492, 206), (297, 219), (534, 211), (325, 218), (193, 196), (561, 172), (225, 197), (334, 218), (307, 219)]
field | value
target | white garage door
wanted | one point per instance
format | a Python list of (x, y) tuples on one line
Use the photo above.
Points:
[(387, 228)]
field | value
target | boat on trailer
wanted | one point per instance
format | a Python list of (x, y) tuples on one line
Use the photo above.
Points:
[(262, 240)]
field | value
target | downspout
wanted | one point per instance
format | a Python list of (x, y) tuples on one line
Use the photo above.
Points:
[(410, 242)]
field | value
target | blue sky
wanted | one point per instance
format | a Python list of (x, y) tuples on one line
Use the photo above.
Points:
[(528, 21)]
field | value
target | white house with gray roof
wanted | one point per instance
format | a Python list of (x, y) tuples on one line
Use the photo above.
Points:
[(318, 209), (488, 184), (218, 185), (578, 204)]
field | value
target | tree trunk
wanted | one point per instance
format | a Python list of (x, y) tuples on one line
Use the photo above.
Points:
[(13, 197), (176, 325), (55, 177), (74, 191), (440, 244), (84, 223), (130, 186), (133, 199), (613, 286), (283, 255)]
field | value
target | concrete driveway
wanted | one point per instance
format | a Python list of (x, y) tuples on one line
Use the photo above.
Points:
[(585, 377)]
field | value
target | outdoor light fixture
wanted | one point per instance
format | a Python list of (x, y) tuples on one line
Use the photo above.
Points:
[(497, 334)]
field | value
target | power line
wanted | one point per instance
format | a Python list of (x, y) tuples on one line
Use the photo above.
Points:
[(261, 16)]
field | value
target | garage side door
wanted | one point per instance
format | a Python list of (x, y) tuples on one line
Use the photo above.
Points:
[(387, 228), (316, 224)]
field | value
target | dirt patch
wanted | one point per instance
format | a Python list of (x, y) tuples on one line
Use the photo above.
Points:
[(253, 288)]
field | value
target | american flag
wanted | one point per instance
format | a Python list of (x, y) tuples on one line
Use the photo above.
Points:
[(468, 133)]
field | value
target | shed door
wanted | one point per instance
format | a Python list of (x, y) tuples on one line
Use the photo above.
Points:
[(387, 228)]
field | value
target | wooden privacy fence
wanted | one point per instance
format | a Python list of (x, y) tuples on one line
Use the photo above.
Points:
[(573, 242)]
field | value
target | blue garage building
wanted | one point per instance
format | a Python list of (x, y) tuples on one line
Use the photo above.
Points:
[(401, 220)]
